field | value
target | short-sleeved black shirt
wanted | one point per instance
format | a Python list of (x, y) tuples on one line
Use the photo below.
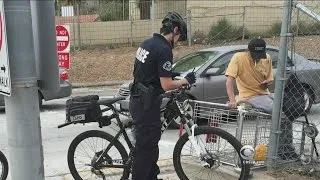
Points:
[(153, 60)]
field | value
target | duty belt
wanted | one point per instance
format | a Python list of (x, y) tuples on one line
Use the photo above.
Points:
[(146, 94)]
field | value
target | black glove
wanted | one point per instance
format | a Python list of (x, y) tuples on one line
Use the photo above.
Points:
[(191, 77), (174, 74)]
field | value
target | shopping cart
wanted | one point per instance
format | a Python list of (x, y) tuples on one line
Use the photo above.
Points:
[(250, 126)]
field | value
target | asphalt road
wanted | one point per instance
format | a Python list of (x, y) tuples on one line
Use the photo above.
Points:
[(56, 141)]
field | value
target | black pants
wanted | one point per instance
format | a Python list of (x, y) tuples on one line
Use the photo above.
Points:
[(147, 130)]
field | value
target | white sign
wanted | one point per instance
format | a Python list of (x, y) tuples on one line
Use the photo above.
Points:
[(67, 11), (5, 80)]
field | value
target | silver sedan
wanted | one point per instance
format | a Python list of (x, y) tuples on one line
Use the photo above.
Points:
[(210, 66)]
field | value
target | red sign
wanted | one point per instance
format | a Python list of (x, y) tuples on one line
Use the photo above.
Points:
[(0, 31), (64, 60), (63, 38)]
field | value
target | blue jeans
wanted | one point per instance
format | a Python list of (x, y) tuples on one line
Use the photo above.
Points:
[(265, 103)]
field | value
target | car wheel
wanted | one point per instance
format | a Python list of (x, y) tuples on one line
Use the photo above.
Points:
[(175, 124), (309, 100)]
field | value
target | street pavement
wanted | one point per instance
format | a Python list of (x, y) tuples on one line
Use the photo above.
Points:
[(56, 141)]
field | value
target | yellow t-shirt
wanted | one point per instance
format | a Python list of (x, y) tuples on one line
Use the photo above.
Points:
[(250, 75)]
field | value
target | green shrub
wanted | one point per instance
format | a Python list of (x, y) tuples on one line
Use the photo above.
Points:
[(113, 11), (306, 29), (224, 31), (274, 30), (199, 37)]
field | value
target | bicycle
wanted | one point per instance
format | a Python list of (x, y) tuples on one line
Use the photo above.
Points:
[(208, 159), (4, 167)]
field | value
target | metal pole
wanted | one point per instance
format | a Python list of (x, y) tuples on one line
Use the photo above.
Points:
[(189, 34), (22, 108), (153, 18), (307, 11), (45, 46), (123, 10), (279, 86), (243, 22), (78, 25), (298, 22)]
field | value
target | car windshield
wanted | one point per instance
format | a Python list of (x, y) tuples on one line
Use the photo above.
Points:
[(193, 61)]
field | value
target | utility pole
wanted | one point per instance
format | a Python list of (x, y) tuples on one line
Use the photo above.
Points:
[(22, 108), (279, 85)]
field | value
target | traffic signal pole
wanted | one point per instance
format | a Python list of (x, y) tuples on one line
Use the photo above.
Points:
[(22, 108)]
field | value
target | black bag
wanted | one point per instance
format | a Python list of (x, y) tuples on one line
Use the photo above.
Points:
[(293, 99), (83, 109)]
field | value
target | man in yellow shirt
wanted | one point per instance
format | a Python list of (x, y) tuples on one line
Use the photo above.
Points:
[(252, 71)]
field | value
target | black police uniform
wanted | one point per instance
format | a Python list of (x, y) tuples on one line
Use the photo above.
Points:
[(153, 60)]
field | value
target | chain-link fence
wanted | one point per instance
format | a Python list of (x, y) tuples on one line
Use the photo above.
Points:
[(109, 22), (301, 91), (101, 22)]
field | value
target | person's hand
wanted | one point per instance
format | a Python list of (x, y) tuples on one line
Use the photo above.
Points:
[(265, 84), (232, 104), (191, 78)]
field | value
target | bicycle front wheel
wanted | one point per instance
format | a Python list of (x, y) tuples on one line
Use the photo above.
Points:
[(220, 161), (87, 147), (4, 167)]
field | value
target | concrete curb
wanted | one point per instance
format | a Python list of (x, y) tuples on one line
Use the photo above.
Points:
[(98, 84)]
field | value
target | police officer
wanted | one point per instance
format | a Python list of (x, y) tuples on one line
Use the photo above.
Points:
[(152, 77)]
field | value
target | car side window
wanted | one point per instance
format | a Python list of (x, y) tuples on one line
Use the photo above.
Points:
[(274, 54), (223, 62)]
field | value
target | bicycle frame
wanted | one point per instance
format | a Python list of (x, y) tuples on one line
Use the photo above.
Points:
[(165, 125), (122, 127)]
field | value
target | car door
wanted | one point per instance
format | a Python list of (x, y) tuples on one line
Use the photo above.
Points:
[(215, 85)]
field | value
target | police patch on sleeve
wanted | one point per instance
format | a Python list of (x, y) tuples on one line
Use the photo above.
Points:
[(167, 66)]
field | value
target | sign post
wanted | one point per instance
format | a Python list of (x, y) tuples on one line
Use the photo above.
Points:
[(22, 107), (63, 46), (5, 80)]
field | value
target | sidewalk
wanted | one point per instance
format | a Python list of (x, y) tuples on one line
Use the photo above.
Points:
[(168, 173)]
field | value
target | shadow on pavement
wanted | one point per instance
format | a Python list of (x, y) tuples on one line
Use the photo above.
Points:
[(2, 110)]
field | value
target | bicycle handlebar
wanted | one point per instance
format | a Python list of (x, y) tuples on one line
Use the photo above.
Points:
[(176, 92)]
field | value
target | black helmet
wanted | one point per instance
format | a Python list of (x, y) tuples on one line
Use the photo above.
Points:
[(173, 19)]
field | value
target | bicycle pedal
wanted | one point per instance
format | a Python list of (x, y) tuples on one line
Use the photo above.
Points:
[(205, 165)]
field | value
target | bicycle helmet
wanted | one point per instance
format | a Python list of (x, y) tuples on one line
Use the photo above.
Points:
[(172, 20)]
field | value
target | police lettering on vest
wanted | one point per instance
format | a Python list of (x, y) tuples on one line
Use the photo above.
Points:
[(153, 59), (142, 54)]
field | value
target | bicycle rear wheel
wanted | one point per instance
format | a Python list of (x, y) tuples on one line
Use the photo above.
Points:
[(87, 147), (4, 167), (221, 159)]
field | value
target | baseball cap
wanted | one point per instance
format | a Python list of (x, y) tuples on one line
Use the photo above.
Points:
[(257, 48)]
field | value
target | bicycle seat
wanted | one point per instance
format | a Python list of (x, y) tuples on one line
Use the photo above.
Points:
[(110, 101)]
